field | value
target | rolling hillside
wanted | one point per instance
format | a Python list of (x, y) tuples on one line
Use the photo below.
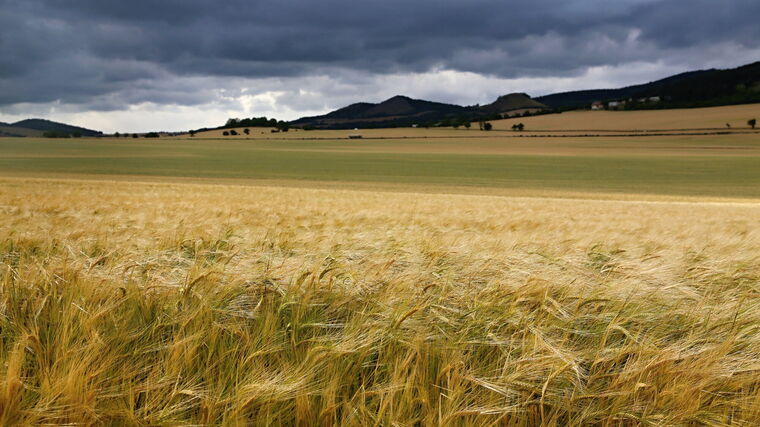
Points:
[(513, 102), (38, 127), (396, 111), (8, 130), (405, 111), (694, 119), (706, 88)]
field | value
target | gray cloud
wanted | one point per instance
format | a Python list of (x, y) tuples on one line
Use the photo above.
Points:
[(106, 54)]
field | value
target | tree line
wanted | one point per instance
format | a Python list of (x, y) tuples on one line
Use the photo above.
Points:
[(256, 122)]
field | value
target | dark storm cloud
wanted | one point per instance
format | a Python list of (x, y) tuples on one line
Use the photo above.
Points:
[(78, 50)]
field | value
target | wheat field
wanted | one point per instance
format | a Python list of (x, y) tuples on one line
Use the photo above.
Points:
[(167, 304), (642, 120)]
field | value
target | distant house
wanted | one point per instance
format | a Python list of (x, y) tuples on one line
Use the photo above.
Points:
[(651, 99), (597, 105), (615, 105)]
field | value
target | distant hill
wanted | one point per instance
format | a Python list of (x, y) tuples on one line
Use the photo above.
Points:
[(705, 88), (513, 102), (47, 125), (404, 111), (38, 128), (396, 111)]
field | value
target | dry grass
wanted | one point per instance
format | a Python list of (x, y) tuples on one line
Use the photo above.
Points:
[(200, 304), (679, 119)]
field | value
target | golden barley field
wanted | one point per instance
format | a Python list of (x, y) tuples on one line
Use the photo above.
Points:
[(196, 304)]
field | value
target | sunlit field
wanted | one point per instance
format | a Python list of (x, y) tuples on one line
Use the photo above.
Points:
[(167, 304), (687, 119)]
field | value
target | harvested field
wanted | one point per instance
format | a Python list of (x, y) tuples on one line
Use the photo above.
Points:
[(714, 118)]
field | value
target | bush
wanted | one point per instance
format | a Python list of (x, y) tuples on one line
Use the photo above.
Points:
[(56, 134)]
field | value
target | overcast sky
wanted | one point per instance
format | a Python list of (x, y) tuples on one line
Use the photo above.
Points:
[(139, 65)]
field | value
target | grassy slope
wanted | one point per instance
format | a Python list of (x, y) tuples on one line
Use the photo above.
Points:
[(692, 118), (600, 170), (21, 131)]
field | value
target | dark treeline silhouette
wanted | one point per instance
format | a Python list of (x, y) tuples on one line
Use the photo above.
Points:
[(256, 122), (706, 88)]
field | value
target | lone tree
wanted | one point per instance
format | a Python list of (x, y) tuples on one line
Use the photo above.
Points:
[(192, 133), (520, 127), (484, 125), (233, 132), (247, 131), (226, 133), (752, 123)]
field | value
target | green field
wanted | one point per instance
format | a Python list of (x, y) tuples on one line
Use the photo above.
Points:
[(649, 169)]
